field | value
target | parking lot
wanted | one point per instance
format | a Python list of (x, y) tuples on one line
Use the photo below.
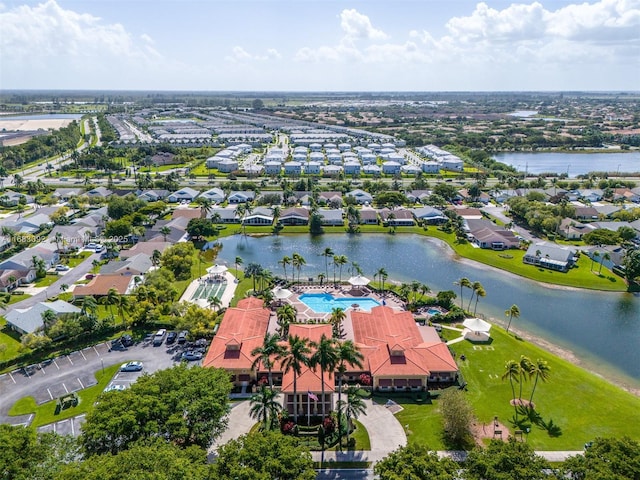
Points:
[(52, 379)]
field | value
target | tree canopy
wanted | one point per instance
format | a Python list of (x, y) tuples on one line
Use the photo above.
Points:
[(185, 406), (179, 258), (416, 462), (510, 460), (606, 459), (263, 456)]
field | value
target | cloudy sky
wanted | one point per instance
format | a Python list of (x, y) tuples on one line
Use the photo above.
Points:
[(309, 45)]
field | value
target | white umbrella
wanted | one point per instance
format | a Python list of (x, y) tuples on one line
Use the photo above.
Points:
[(217, 269), (282, 293), (359, 281), (477, 325)]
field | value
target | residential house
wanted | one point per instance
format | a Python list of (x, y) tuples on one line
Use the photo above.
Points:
[(99, 192), (331, 216), (371, 169), (9, 198), (134, 265), (224, 215), (369, 216), (66, 194), (397, 218), (185, 194), (294, 216), (590, 195), (227, 165), (215, 195), (153, 195), (330, 198), (606, 211), (361, 197), (144, 248), (586, 213), (571, 229), (430, 167), (390, 167), (259, 216), (292, 168), (625, 194), (551, 256), (29, 320), (487, 234), (418, 196), (429, 215), (241, 196), (100, 285)]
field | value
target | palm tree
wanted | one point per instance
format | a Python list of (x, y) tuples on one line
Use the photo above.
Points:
[(294, 358), (298, 261), (324, 357), (57, 239), (595, 255), (286, 315), (424, 290), (122, 306), (265, 406), (464, 283), (238, 261), (605, 257), (525, 373), (337, 317), (155, 258), (348, 354), (205, 206), (89, 305), (64, 287), (512, 372), (382, 276), (326, 253), (353, 407), (253, 270), (4, 301), (340, 261), (214, 302), (513, 312), (286, 260), (541, 370), (266, 354), (49, 317), (480, 292), (165, 231), (474, 287), (111, 299)]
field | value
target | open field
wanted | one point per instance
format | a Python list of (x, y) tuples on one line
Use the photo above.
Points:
[(31, 125)]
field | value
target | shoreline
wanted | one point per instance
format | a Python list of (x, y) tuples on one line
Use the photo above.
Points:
[(550, 346)]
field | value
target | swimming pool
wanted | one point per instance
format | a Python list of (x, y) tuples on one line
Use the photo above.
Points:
[(434, 311), (325, 302)]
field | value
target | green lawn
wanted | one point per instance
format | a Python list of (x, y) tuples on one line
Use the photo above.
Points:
[(45, 413), (77, 259), (9, 342), (47, 280), (511, 261), (581, 404), (361, 436), (17, 298)]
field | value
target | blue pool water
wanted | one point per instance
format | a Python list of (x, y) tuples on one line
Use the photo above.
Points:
[(433, 311), (325, 302)]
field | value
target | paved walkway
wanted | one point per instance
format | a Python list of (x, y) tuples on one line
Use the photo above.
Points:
[(240, 422)]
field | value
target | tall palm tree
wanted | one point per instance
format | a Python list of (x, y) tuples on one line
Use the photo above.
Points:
[(340, 261), (337, 317), (111, 298), (89, 305), (238, 261), (205, 206), (474, 288), (325, 357), (326, 253), (294, 358), (353, 407), (463, 283), (123, 306), (155, 258), (595, 255), (513, 312), (348, 354), (424, 289), (49, 317), (265, 406), (214, 302), (525, 373), (286, 315), (253, 270), (382, 276), (541, 371), (165, 231), (480, 292), (298, 261), (267, 353), (512, 372), (286, 260), (64, 287)]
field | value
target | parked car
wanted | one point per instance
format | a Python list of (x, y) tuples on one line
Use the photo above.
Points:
[(62, 268), (191, 356), (126, 340), (159, 337), (182, 337), (91, 246), (131, 367), (171, 337), (112, 388)]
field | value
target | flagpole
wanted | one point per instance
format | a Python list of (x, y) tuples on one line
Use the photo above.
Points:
[(308, 409)]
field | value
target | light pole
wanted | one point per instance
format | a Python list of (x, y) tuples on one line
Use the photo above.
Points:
[(102, 362)]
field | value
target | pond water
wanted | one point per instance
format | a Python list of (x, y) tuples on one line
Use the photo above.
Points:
[(600, 328), (573, 164)]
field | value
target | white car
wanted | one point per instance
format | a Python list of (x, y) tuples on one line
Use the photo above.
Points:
[(131, 367), (62, 268), (191, 356), (112, 388)]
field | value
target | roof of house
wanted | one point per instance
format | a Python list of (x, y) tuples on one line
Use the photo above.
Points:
[(101, 284), (294, 212), (30, 319), (186, 213), (242, 329), (146, 248), (393, 345), (550, 251), (133, 265)]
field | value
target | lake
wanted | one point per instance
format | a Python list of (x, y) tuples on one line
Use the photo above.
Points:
[(602, 329), (43, 116), (572, 163)]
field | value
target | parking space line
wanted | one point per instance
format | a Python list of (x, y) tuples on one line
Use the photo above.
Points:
[(96, 350), (73, 430), (69, 358), (49, 391), (11, 376), (80, 382), (42, 370), (65, 388), (57, 366), (28, 422), (82, 355)]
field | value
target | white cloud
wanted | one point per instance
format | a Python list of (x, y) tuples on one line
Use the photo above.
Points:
[(356, 25), (240, 55), (48, 30)]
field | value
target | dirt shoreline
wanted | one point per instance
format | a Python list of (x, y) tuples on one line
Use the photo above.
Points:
[(555, 349)]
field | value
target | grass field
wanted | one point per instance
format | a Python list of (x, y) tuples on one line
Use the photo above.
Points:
[(9, 342), (579, 404), (45, 413)]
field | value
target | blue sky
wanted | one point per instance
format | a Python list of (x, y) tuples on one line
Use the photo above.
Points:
[(309, 45)]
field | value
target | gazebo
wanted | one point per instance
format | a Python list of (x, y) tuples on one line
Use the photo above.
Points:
[(476, 330)]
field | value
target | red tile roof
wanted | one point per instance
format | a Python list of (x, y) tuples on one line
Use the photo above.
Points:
[(393, 346), (242, 329), (101, 284)]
